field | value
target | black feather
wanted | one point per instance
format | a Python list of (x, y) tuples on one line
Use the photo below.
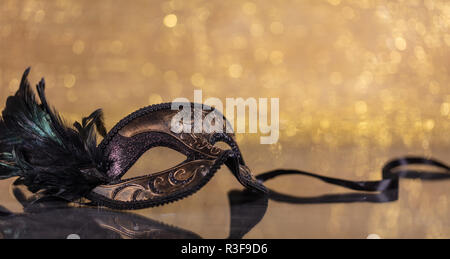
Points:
[(47, 155)]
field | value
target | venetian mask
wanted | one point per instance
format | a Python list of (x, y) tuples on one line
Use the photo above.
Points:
[(54, 159), (151, 127)]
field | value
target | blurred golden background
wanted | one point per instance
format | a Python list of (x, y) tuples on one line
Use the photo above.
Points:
[(359, 82)]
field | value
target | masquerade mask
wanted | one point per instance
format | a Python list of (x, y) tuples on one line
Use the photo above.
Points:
[(53, 159), (151, 127)]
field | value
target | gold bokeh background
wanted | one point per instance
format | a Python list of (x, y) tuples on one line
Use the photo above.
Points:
[(359, 82)]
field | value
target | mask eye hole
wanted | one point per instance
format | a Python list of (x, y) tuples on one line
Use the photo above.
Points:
[(222, 145), (155, 160)]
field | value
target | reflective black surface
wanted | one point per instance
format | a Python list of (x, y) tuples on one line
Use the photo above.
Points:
[(54, 219), (46, 217)]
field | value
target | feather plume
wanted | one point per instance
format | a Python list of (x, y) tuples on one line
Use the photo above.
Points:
[(47, 155)]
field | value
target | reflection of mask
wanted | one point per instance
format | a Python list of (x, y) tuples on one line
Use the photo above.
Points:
[(48, 217), (53, 218), (56, 160)]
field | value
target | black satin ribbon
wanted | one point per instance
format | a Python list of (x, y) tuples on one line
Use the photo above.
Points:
[(386, 189)]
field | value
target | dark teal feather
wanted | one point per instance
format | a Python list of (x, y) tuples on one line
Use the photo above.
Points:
[(37, 146)]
